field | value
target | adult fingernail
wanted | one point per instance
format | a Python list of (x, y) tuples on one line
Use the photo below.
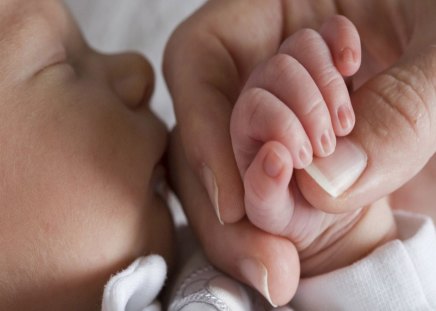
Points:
[(326, 143), (212, 189), (345, 118), (337, 172), (272, 164), (256, 274)]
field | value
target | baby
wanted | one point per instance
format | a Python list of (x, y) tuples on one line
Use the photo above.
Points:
[(80, 167), (79, 163)]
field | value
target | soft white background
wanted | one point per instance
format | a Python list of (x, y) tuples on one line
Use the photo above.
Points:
[(139, 25)]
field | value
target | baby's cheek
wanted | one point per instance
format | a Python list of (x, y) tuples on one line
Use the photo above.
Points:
[(63, 239), (75, 208)]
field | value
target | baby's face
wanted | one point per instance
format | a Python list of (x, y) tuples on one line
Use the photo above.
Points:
[(79, 148)]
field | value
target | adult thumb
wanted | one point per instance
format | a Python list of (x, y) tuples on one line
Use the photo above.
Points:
[(393, 138)]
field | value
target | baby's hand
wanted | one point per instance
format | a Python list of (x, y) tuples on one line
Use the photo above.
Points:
[(291, 107), (299, 97)]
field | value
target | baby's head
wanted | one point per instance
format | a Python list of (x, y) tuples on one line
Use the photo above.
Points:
[(79, 148)]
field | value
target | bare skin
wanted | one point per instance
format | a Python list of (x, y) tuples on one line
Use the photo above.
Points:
[(393, 101), (80, 151), (294, 104), (417, 195)]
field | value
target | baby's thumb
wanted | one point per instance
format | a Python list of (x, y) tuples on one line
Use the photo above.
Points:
[(268, 201), (392, 140)]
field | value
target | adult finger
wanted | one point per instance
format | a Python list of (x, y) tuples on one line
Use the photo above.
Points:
[(259, 117), (205, 66), (392, 141)]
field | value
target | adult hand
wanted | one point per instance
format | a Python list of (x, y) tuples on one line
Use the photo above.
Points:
[(321, 242), (266, 262), (207, 62)]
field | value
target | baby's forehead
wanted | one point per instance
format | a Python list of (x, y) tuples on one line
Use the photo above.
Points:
[(27, 27), (19, 18)]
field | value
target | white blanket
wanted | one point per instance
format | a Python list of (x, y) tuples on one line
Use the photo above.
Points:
[(399, 275)]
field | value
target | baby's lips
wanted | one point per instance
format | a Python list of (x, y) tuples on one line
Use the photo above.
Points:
[(339, 171)]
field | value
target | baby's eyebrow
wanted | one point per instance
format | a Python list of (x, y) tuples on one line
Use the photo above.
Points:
[(21, 23), (12, 33), (24, 39), (11, 27)]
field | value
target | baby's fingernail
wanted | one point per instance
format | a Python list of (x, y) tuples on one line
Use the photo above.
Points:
[(326, 143), (345, 118), (336, 173), (256, 274), (347, 55), (272, 164), (212, 189), (305, 155)]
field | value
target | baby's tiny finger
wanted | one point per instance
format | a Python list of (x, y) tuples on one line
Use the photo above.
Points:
[(289, 81), (309, 49), (342, 37), (268, 201)]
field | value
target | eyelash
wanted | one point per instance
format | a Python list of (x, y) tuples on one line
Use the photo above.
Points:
[(58, 59)]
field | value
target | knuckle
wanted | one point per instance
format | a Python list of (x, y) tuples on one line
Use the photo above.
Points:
[(302, 38), (286, 128), (316, 108), (254, 96), (260, 210), (329, 78), (281, 67), (259, 112), (253, 101), (403, 93), (307, 35), (258, 195), (340, 21)]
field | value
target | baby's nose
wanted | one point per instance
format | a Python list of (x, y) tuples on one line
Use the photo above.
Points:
[(132, 78)]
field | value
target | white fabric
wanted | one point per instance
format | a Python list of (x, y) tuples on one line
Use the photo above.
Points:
[(400, 275), (200, 287), (136, 288)]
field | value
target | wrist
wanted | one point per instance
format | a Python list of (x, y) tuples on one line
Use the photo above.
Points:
[(374, 227)]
